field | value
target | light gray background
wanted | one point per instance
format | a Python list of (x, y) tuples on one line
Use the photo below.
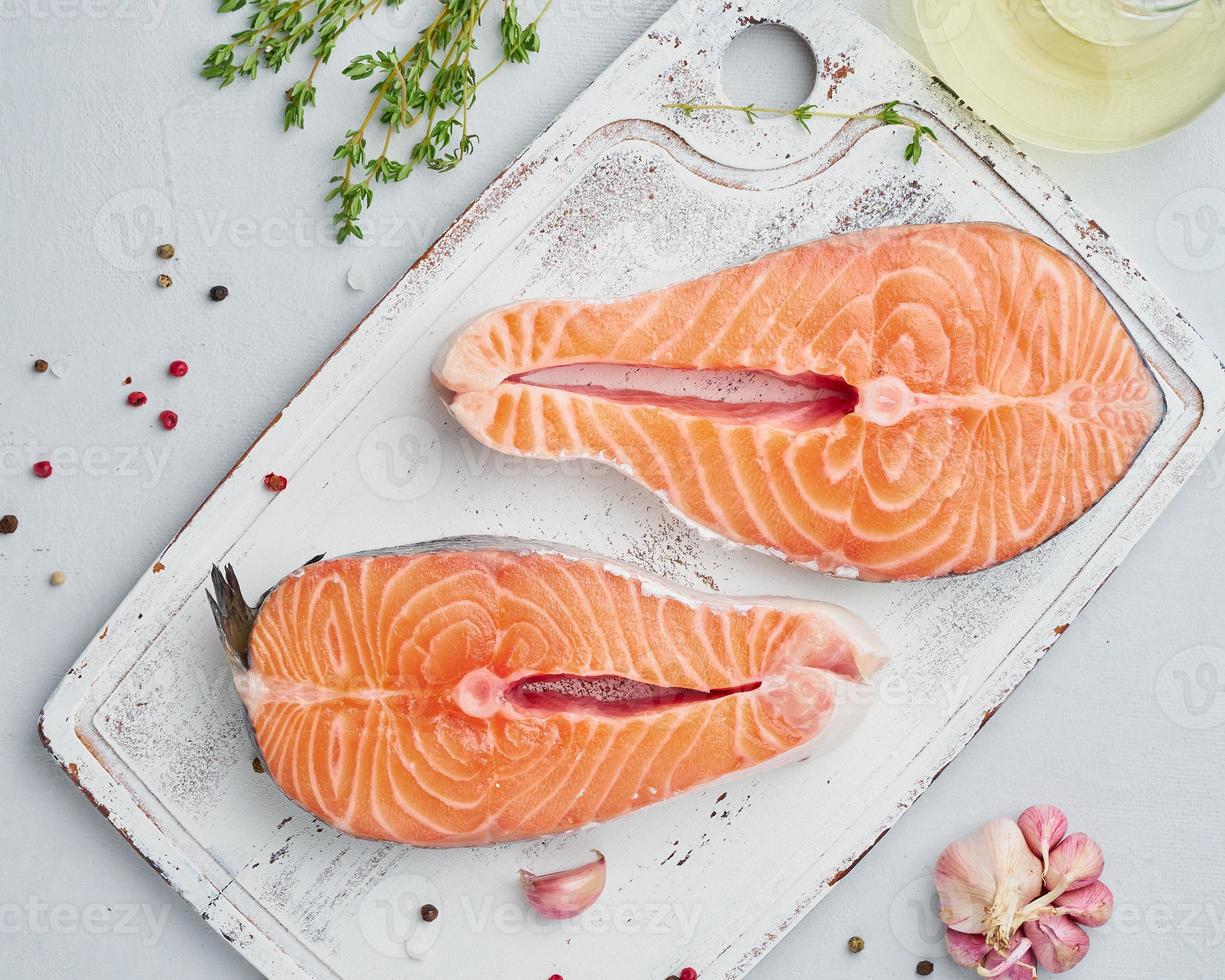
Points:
[(111, 144)]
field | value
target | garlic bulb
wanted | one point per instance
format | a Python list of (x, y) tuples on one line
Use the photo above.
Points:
[(985, 879), (1015, 896)]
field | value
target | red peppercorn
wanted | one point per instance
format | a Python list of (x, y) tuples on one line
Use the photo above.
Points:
[(178, 368), (275, 482), (42, 469), (556, 976), (169, 419), (689, 973), (137, 398)]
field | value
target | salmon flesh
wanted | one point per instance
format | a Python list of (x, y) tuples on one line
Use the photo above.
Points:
[(478, 690), (964, 393)]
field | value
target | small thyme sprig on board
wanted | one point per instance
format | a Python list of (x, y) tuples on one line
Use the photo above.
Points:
[(887, 114), (433, 84)]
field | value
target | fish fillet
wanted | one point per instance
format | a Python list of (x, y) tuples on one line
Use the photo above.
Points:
[(478, 690), (971, 393)]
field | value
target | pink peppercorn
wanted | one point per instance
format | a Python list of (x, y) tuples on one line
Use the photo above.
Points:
[(178, 368), (169, 419), (137, 398), (689, 973), (42, 469)]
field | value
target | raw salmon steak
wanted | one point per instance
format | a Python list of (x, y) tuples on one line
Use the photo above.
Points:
[(478, 690), (967, 391)]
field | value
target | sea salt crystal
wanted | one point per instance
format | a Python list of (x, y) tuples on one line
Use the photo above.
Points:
[(60, 368), (356, 279), (846, 571)]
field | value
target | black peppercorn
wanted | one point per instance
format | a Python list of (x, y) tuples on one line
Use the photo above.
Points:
[(925, 968), (165, 251), (41, 366), (218, 293), (8, 524), (429, 913)]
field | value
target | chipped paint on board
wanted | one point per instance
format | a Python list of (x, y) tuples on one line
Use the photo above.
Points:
[(617, 196)]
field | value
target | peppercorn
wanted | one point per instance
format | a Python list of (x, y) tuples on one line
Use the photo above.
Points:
[(137, 398), (168, 419), (218, 293), (177, 368), (275, 482), (41, 366), (8, 524), (58, 578), (556, 976), (165, 281), (855, 944), (689, 973), (42, 469), (428, 913), (925, 968), (165, 251), (257, 765)]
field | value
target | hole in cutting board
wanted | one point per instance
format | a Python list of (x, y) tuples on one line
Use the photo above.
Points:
[(769, 65)]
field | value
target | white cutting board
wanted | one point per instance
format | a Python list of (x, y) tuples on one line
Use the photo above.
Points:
[(617, 196)]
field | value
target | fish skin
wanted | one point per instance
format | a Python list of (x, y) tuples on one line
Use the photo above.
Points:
[(376, 682), (999, 397)]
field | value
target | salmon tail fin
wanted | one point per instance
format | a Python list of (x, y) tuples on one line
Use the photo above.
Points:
[(234, 617)]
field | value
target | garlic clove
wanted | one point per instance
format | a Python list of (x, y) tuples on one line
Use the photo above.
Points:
[(1019, 964), (1076, 861), (1059, 943), (984, 879), (565, 894), (1043, 827), (966, 949), (1090, 906)]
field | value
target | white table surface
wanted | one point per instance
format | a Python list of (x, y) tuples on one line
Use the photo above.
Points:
[(112, 144)]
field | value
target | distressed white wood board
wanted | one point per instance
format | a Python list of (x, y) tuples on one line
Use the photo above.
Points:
[(617, 196)]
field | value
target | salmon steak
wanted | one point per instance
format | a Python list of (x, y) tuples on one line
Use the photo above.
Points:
[(478, 690), (965, 393)]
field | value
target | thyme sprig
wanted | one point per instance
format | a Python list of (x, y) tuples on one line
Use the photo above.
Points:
[(887, 114), (432, 85)]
